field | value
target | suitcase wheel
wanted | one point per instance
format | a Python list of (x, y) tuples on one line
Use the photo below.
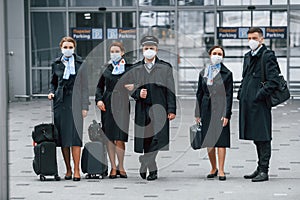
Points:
[(57, 178), (42, 178), (93, 176), (88, 176)]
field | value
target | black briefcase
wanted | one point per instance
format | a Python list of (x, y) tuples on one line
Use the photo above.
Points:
[(196, 137)]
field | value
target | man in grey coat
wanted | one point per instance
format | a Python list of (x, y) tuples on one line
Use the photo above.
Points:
[(255, 120)]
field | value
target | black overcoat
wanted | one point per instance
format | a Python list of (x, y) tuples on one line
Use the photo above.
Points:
[(255, 119), (70, 98), (111, 90), (160, 101), (213, 103)]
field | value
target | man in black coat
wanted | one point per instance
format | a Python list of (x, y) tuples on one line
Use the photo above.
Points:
[(154, 93), (255, 119)]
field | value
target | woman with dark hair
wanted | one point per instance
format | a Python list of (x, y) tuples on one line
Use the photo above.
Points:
[(69, 92), (213, 109), (112, 99)]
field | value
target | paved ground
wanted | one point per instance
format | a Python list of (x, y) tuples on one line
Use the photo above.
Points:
[(182, 171)]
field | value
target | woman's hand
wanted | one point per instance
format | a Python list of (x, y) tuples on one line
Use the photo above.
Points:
[(84, 113), (198, 120), (225, 121), (50, 96), (101, 106)]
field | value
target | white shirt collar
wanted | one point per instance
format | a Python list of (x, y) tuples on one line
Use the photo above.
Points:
[(253, 53), (153, 61)]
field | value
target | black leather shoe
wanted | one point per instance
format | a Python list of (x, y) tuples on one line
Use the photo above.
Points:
[(76, 178), (143, 168), (213, 175), (152, 176), (262, 176), (253, 175), (222, 178)]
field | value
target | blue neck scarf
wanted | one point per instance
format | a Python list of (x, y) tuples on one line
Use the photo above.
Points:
[(119, 67), (69, 66), (210, 74)]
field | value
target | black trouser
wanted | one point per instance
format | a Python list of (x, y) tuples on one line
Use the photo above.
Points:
[(150, 143), (264, 154), (150, 153)]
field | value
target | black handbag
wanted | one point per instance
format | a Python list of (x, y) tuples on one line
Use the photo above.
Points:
[(196, 137), (281, 93), (45, 132), (95, 132)]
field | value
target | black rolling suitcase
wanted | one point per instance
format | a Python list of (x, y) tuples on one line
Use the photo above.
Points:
[(94, 160), (45, 163)]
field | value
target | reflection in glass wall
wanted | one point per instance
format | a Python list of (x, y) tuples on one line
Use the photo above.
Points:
[(195, 2), (294, 2), (47, 3), (295, 48), (47, 29), (253, 2), (192, 48), (109, 3), (156, 2), (184, 39)]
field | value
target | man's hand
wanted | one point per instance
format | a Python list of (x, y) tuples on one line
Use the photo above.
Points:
[(143, 93), (171, 116), (129, 87)]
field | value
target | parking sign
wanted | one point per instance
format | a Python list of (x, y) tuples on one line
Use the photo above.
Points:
[(112, 33)]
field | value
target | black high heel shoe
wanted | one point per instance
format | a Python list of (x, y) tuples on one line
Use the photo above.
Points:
[(222, 178), (122, 174), (213, 175), (68, 177), (112, 176), (76, 178)]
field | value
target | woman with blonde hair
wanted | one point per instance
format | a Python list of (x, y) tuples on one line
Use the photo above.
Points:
[(112, 99)]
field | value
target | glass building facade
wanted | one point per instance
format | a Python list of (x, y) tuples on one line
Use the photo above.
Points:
[(186, 30)]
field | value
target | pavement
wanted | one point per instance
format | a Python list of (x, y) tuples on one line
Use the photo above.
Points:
[(182, 171)]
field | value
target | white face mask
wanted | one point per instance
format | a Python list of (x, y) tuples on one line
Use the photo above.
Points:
[(216, 59), (67, 52), (149, 54), (115, 57), (253, 44)]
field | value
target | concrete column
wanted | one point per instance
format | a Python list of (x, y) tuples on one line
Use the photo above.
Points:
[(4, 190)]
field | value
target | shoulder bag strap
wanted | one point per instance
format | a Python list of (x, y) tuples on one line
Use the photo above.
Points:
[(263, 68)]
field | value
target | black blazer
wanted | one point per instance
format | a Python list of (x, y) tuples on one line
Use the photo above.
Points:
[(61, 87)]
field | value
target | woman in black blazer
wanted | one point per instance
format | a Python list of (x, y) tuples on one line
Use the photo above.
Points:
[(69, 91), (112, 99), (213, 109)]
